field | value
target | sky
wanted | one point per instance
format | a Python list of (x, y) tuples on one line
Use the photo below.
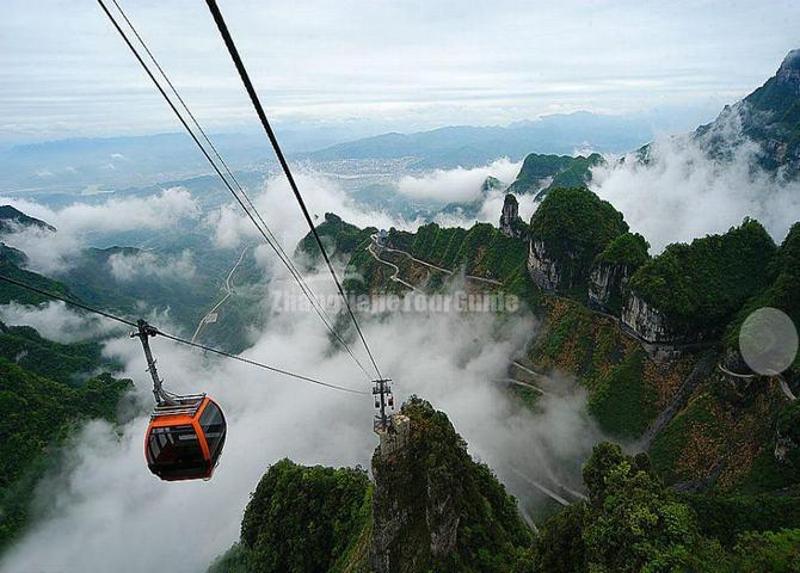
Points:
[(401, 65)]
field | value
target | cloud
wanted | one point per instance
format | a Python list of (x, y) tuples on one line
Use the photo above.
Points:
[(50, 252), (103, 510), (127, 267), (282, 214), (683, 194), (55, 321), (457, 185)]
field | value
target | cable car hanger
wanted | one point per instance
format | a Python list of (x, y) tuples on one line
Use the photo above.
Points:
[(186, 433)]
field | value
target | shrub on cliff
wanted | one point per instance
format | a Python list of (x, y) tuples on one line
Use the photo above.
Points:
[(300, 519), (575, 226), (436, 509), (339, 237), (701, 285), (783, 293), (628, 249)]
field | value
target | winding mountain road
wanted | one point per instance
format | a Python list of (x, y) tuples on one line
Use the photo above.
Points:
[(781, 381), (211, 315), (396, 270), (374, 243)]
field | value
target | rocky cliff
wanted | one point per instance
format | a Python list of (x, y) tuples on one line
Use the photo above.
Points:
[(429, 508), (613, 269), (434, 508), (511, 225), (568, 231), (768, 117)]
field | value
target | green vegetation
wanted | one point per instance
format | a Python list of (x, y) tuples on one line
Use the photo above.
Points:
[(726, 517), (631, 523), (577, 174), (11, 217), (445, 495), (622, 403), (627, 249), (564, 170), (575, 226), (480, 251), (773, 115), (36, 415), (783, 293), (11, 261), (340, 239), (700, 286), (301, 519), (64, 363)]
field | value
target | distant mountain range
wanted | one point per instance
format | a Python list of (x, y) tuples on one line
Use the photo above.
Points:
[(469, 146)]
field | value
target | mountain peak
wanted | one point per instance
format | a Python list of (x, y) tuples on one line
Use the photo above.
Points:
[(789, 71)]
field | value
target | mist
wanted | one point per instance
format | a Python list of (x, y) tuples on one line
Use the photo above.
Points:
[(458, 185), (55, 321), (275, 201), (102, 510), (683, 194), (52, 252), (129, 267)]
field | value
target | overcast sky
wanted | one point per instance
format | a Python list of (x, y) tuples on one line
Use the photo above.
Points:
[(412, 64)]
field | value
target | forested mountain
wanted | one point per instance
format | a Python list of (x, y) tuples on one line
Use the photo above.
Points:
[(649, 338), (43, 400), (770, 117)]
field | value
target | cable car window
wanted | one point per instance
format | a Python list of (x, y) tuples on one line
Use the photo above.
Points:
[(213, 424), (175, 446)]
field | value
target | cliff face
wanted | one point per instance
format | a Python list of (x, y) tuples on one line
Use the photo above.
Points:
[(568, 231), (646, 321), (434, 508), (510, 223), (606, 285), (545, 272), (769, 116)]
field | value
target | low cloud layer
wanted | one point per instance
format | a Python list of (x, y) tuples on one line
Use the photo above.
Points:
[(457, 185), (128, 267), (683, 194), (55, 321), (278, 207), (104, 511), (50, 252)]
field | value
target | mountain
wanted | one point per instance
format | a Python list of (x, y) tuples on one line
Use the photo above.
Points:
[(11, 219), (38, 412), (542, 173), (470, 146), (769, 117), (430, 507)]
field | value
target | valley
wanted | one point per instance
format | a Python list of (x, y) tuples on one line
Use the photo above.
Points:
[(619, 408)]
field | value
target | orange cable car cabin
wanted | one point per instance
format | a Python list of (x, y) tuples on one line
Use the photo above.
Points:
[(185, 438)]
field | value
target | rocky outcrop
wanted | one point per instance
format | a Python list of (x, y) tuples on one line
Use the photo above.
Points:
[(433, 506), (543, 270), (646, 321), (568, 231), (607, 284), (511, 224)]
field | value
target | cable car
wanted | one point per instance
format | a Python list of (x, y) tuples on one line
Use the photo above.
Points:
[(185, 438)]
